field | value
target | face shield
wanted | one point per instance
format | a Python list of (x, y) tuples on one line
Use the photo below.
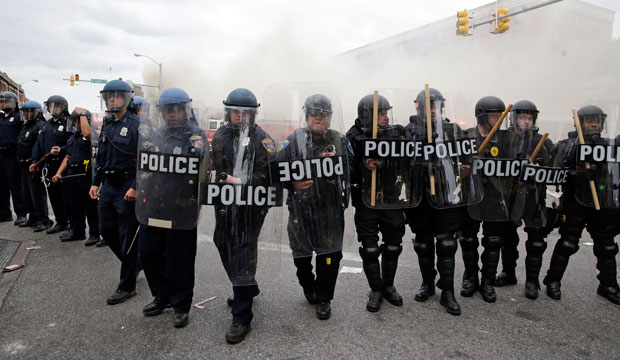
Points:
[(175, 115), (523, 120), (30, 114), (318, 119), (54, 109), (7, 104), (592, 124), (115, 101), (240, 117)]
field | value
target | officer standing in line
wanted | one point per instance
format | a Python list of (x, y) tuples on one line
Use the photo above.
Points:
[(433, 222), (577, 205), (168, 254), (33, 190), (52, 140), (137, 103), (524, 137), (492, 209), (10, 182), (77, 165), (240, 155), (115, 173), (369, 221), (316, 205)]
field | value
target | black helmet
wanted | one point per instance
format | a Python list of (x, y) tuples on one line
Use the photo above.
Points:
[(75, 116), (420, 100), (317, 104), (365, 107), (523, 107), (54, 100), (117, 88), (486, 105), (8, 101), (593, 111), (243, 99)]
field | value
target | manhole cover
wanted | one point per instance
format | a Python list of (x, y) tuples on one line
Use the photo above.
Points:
[(7, 250)]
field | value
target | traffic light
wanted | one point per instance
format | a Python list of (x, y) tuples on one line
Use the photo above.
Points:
[(72, 79), (462, 23), (501, 25), (77, 79)]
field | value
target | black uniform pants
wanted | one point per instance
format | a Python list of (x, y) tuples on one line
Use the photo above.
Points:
[(81, 205), (57, 196), (34, 197), (118, 226), (327, 266), (168, 257), (10, 185)]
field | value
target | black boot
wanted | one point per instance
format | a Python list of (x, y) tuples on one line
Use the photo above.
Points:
[(237, 332), (425, 291), (389, 264), (553, 290), (470, 284), (374, 301), (448, 301), (488, 291), (531, 290), (425, 248), (611, 293), (372, 269), (505, 278)]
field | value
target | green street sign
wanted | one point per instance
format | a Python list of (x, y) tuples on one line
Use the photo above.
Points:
[(98, 81)]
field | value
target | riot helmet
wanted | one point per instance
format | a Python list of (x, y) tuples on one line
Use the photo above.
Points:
[(592, 119), (31, 110), (523, 115), (117, 95), (318, 110), (489, 105), (57, 106), (241, 107), (8, 101), (365, 110), (137, 103), (74, 118), (437, 99), (175, 107)]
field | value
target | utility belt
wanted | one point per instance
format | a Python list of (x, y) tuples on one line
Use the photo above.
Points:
[(117, 177), (24, 162), (77, 168)]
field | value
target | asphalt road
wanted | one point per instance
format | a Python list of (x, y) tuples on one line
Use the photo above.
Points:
[(55, 309)]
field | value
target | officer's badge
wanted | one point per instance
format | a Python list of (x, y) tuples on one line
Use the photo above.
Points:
[(123, 131), (269, 145), (61, 128), (197, 141), (144, 131), (176, 150), (283, 145), (350, 149)]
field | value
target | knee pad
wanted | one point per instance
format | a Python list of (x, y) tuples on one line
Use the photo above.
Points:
[(469, 243), (608, 250), (446, 245), (535, 247), (492, 242), (568, 246), (422, 244), (391, 251), (370, 253)]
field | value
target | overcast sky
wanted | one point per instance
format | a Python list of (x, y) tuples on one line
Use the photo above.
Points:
[(49, 40)]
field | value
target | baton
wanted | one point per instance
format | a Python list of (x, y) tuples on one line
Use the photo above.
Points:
[(582, 141), (538, 147), (71, 176), (134, 239), (495, 128), (375, 116)]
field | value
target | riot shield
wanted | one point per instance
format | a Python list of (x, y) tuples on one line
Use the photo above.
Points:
[(95, 130), (237, 185), (312, 165), (171, 149), (597, 178)]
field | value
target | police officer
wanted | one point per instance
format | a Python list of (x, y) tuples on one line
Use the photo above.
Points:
[(370, 221), (168, 254), (79, 176), (115, 173), (52, 142), (316, 206), (33, 190), (240, 154), (488, 110), (10, 182), (524, 137), (137, 103), (434, 228), (601, 224)]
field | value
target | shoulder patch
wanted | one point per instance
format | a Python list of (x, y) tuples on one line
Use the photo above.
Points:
[(269, 145), (283, 145), (144, 130), (197, 141)]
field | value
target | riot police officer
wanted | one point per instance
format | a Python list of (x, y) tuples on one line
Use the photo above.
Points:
[(114, 183), (433, 224), (33, 190), (52, 142), (168, 254), (137, 103), (79, 176), (370, 221), (239, 154), (10, 182), (316, 205), (524, 137), (577, 205)]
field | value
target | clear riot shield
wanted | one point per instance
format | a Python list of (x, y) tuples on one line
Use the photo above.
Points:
[(447, 152), (312, 165), (171, 149), (601, 153), (95, 130), (247, 208), (397, 184)]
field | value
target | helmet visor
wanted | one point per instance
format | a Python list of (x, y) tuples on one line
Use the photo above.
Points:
[(115, 101)]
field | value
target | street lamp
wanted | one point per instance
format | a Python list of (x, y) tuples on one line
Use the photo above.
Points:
[(19, 86), (158, 64)]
